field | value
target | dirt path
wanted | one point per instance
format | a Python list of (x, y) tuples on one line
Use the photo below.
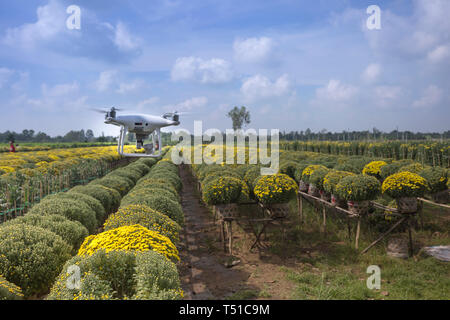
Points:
[(202, 269)]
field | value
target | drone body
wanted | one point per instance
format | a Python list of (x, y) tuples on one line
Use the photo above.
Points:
[(143, 126)]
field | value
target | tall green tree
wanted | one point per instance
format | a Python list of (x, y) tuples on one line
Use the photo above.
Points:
[(239, 117)]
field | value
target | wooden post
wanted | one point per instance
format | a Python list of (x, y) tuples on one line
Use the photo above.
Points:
[(349, 229), (300, 207), (358, 228), (411, 248), (222, 224), (230, 237), (324, 215)]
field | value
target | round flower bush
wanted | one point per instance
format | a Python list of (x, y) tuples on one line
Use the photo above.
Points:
[(9, 291), (69, 208), (413, 168), (146, 217), (374, 168), (93, 203), (115, 197), (166, 165), (97, 192), (358, 188), (127, 172), (121, 184), (153, 191), (73, 232), (162, 204), (119, 275), (393, 167), (251, 177), (299, 171), (332, 178), (288, 168), (141, 167), (404, 185), (278, 188), (134, 238), (31, 257), (149, 162), (309, 170), (223, 190), (168, 176), (156, 183), (317, 177), (214, 175), (436, 178)]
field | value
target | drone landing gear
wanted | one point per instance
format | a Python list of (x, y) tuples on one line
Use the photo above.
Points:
[(150, 150)]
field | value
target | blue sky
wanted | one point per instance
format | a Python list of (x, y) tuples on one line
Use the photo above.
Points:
[(295, 64)]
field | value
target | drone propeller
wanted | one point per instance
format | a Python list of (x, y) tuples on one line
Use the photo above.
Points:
[(106, 111)]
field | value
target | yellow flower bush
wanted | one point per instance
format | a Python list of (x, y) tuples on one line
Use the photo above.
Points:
[(278, 188), (373, 168), (134, 238), (146, 217), (309, 170), (404, 184), (9, 291)]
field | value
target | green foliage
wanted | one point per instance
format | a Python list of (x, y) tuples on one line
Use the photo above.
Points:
[(97, 192), (157, 183), (130, 173), (317, 177), (332, 178), (9, 291), (72, 232), (222, 190), (119, 275), (393, 167), (252, 176), (156, 278), (31, 257), (171, 178), (149, 162), (139, 193), (69, 208), (289, 168), (121, 184), (159, 203), (436, 177), (146, 217), (272, 189), (93, 203), (413, 168), (358, 188), (141, 167), (299, 171)]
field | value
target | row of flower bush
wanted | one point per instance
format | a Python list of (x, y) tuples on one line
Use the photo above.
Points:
[(135, 255), (33, 248)]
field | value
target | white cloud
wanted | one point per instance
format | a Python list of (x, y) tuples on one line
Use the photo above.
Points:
[(145, 104), (59, 89), (50, 21), (205, 71), (5, 76), (388, 92), (105, 80), (260, 86), (133, 86), (431, 96), (123, 39), (372, 72), (188, 105), (336, 91), (253, 49), (439, 54)]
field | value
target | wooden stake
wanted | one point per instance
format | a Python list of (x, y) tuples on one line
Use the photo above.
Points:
[(358, 227)]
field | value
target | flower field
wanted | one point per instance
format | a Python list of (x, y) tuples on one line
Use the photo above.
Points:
[(120, 232), (27, 177), (108, 233)]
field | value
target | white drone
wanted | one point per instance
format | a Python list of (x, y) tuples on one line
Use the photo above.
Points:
[(143, 126)]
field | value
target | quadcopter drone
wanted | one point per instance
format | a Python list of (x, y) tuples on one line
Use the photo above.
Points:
[(143, 126)]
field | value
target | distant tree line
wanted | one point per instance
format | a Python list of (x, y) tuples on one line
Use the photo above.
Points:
[(374, 134), (71, 136)]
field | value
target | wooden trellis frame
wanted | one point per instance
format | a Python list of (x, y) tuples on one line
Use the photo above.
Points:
[(405, 219)]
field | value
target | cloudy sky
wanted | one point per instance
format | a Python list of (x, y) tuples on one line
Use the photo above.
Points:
[(295, 64)]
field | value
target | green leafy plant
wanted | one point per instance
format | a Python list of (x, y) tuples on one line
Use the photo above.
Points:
[(358, 188), (436, 177), (31, 257), (278, 188)]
